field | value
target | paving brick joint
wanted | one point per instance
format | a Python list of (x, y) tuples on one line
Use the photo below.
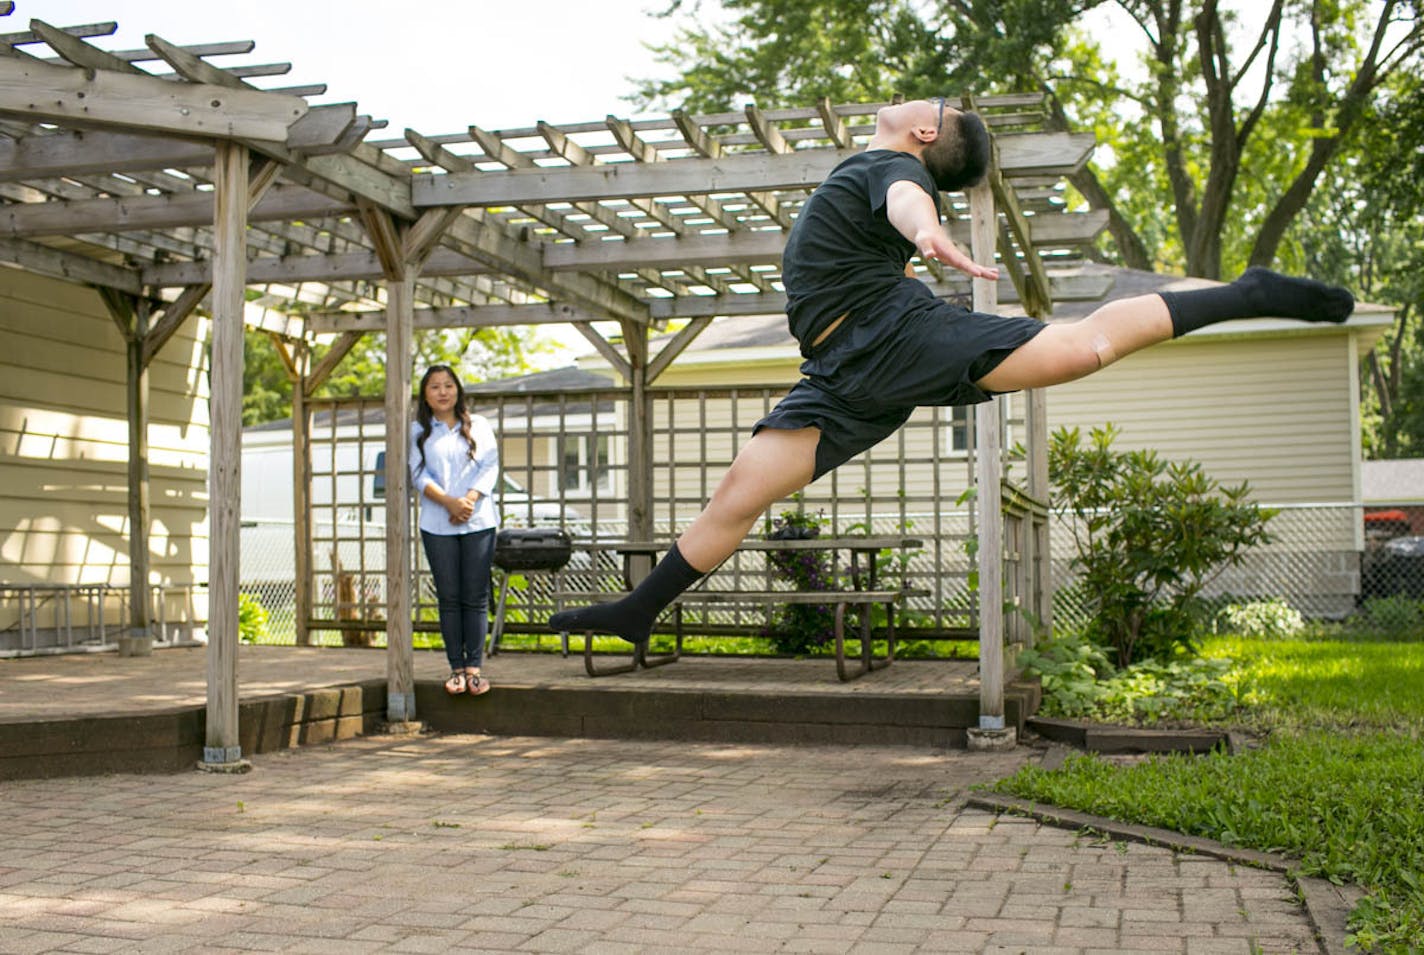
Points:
[(522, 844)]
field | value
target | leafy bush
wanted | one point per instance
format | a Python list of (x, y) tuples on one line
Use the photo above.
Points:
[(1394, 615), (798, 628), (1080, 682), (1150, 535), (1260, 618), (251, 619)]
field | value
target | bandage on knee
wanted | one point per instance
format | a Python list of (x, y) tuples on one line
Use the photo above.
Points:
[(1103, 348)]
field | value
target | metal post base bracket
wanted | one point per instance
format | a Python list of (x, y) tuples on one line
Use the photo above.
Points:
[(402, 728), (982, 740), (139, 646), (223, 759)]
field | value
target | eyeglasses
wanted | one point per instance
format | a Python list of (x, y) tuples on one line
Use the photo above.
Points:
[(939, 124)]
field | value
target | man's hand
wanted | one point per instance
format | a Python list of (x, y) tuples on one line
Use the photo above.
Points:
[(934, 243)]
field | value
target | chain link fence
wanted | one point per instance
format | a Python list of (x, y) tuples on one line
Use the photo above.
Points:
[(1319, 560)]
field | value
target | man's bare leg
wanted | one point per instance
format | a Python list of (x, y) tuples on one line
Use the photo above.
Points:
[(772, 465), (1069, 351)]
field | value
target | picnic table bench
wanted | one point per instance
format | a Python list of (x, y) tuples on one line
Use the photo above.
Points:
[(865, 593)]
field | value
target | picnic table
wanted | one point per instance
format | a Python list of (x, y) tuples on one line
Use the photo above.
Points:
[(865, 592)]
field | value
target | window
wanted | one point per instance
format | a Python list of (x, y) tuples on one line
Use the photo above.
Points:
[(958, 437), (959, 433), (583, 463)]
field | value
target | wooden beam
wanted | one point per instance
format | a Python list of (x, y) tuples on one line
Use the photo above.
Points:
[(89, 98), (496, 315), (361, 179), (711, 147), (1066, 286), (747, 247), (422, 237), (84, 152), (68, 267), (676, 347), (385, 236), (79, 53), (120, 306), (1038, 154), (606, 348), (131, 213), (339, 349), (767, 134), (835, 125), (499, 251), (290, 269)]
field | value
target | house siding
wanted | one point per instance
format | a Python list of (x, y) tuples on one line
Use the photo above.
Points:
[(64, 444)]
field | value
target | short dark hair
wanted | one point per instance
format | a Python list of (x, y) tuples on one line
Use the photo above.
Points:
[(959, 158)]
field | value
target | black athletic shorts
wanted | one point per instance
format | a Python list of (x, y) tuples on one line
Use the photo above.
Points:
[(909, 350)]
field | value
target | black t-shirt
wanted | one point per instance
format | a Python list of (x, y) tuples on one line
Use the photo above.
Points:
[(843, 252)]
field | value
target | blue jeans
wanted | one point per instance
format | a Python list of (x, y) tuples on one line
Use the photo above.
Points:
[(460, 567)]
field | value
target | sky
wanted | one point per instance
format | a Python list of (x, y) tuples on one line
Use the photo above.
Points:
[(437, 66)]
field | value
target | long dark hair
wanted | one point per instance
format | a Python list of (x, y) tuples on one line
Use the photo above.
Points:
[(425, 414)]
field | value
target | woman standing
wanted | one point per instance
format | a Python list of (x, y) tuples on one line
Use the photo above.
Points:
[(454, 462)]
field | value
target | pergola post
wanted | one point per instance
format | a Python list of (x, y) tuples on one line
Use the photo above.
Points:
[(222, 751), (400, 653), (139, 640), (130, 313), (301, 493), (992, 732), (640, 444), (1040, 599)]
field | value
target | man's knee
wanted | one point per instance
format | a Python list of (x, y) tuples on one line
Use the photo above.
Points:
[(1103, 350)]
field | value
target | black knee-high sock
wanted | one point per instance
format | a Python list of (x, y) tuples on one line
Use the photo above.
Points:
[(1257, 293), (632, 617)]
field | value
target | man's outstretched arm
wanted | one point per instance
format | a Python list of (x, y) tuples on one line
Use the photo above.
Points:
[(912, 212)]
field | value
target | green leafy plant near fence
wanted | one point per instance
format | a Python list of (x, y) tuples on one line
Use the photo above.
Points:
[(1150, 535), (251, 619), (799, 628)]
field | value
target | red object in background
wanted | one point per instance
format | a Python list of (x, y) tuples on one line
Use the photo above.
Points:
[(1395, 515)]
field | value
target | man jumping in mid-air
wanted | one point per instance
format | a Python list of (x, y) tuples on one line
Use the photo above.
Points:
[(877, 343)]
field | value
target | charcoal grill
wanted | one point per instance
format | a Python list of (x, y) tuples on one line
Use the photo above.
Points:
[(526, 550)]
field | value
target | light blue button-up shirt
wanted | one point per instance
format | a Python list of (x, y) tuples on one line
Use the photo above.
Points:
[(448, 466)]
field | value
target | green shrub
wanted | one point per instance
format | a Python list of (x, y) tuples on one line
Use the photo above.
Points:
[(1260, 618), (1080, 682), (1394, 614), (251, 619), (799, 628), (1150, 535)]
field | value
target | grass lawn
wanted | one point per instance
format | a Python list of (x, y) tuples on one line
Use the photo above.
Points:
[(1337, 783)]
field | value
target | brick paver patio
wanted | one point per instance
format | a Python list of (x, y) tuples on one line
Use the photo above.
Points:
[(471, 843)]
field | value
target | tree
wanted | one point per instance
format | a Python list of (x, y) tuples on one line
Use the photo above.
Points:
[(1367, 230), (480, 354), (1279, 108)]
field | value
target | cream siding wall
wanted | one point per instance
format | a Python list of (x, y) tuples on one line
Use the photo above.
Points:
[(1274, 412), (1278, 412), (64, 442)]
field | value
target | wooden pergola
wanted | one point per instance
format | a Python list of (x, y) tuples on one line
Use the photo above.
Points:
[(165, 180)]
